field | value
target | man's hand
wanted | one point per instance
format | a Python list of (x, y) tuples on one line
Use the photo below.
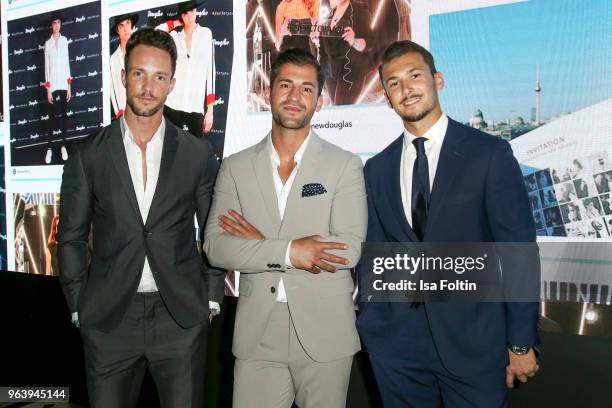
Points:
[(308, 253), (238, 226), (49, 96), (521, 367), (207, 124), (68, 94)]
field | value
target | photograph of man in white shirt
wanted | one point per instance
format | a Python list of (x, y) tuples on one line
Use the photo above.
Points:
[(121, 26), (58, 81), (190, 105)]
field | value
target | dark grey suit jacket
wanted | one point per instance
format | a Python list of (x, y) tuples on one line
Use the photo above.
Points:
[(97, 192)]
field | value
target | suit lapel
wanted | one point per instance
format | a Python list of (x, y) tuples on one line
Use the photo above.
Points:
[(400, 228), (169, 149), (449, 164), (308, 172), (263, 173), (119, 160)]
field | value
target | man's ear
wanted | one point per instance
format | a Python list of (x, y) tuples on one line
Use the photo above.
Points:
[(267, 94), (439, 80)]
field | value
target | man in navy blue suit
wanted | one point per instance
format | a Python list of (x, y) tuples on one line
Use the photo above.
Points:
[(441, 181)]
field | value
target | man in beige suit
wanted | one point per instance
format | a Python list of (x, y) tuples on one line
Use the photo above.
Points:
[(290, 214)]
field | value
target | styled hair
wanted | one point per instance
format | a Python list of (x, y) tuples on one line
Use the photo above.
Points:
[(153, 38), (297, 56), (399, 48)]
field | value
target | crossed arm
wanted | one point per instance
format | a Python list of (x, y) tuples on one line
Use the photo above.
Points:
[(232, 242)]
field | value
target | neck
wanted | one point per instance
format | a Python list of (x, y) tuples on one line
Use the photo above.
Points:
[(122, 46), (189, 29), (142, 127), (419, 128), (55, 35), (288, 141)]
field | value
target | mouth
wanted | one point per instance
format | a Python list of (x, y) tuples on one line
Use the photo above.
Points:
[(292, 108), (411, 101)]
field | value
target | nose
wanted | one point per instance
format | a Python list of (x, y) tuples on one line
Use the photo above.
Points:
[(294, 93), (406, 88)]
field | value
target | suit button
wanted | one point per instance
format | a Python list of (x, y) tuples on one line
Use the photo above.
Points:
[(146, 233), (272, 289), (270, 266)]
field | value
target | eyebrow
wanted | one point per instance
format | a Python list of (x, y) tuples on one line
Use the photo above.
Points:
[(411, 70), (291, 82)]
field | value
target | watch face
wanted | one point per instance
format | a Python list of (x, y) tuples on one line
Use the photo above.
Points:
[(519, 350)]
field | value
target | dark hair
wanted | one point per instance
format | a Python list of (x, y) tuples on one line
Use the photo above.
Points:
[(399, 48), (298, 57), (153, 38)]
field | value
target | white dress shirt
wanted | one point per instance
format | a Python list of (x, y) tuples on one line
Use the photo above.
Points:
[(57, 64), (195, 70), (118, 98), (433, 145), (282, 194), (144, 192)]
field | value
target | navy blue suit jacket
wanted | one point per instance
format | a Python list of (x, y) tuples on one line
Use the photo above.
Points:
[(478, 195)]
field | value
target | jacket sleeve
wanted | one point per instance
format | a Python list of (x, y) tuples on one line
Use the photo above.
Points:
[(349, 213), (512, 226), (215, 278), (234, 253), (74, 226)]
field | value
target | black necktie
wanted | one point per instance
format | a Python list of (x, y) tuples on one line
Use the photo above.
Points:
[(420, 188)]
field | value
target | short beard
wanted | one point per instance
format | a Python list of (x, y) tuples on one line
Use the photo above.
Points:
[(280, 122), (417, 117), (147, 113)]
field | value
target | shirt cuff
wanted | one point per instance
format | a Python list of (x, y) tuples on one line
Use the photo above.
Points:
[(214, 308), (74, 318), (287, 257)]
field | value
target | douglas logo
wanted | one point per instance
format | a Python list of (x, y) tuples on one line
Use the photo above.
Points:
[(32, 103), (69, 113), (93, 36), (92, 74), (80, 19), (31, 68), (202, 13), (18, 52), (29, 30), (34, 136), (222, 43), (20, 88), (95, 108), (79, 94), (156, 14), (46, 117), (22, 122), (80, 57), (78, 128), (57, 132)]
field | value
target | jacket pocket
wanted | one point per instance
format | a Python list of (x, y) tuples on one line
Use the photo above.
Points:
[(336, 287)]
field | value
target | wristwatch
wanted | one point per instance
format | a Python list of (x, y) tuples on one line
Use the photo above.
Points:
[(519, 350)]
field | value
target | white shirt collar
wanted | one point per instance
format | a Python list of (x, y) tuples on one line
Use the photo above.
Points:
[(158, 136), (297, 157), (434, 134)]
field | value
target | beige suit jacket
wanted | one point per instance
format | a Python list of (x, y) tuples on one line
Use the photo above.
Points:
[(321, 304)]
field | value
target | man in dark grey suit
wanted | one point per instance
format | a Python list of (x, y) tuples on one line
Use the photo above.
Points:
[(144, 299)]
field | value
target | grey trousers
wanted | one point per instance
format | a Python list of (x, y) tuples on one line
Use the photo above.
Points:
[(280, 372), (147, 338)]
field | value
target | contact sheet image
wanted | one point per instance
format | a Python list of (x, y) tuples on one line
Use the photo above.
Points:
[(36, 220), (348, 38), (202, 32), (55, 82)]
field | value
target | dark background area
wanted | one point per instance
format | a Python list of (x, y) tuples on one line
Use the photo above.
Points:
[(40, 347)]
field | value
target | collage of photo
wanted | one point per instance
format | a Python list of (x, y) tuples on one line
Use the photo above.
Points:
[(348, 38), (573, 200), (203, 41)]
